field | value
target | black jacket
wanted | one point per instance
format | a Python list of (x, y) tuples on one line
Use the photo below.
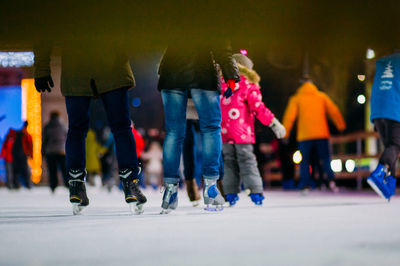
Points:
[(195, 66)]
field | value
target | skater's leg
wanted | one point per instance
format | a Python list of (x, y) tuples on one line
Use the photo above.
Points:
[(381, 179), (9, 173), (175, 102), (231, 178), (324, 155), (390, 134), (78, 126), (248, 169), (305, 147), (16, 173), (208, 107), (52, 167), (116, 104)]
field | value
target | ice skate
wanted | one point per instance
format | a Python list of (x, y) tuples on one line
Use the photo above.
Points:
[(232, 198), (170, 198), (257, 198), (77, 190), (133, 196), (212, 197), (377, 181), (193, 192)]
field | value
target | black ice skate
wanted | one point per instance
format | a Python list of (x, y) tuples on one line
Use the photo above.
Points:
[(133, 196), (77, 190)]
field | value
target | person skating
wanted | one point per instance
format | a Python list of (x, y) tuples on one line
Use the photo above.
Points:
[(385, 114), (311, 108), (53, 148), (94, 68), (6, 154), (22, 149), (188, 67), (238, 117)]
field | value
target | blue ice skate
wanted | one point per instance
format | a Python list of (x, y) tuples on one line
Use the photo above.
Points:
[(383, 185), (232, 198), (170, 198), (257, 198), (212, 197)]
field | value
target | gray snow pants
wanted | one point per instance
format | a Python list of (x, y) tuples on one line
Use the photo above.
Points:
[(240, 162)]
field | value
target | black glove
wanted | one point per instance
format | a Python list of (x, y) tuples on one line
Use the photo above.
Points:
[(44, 84)]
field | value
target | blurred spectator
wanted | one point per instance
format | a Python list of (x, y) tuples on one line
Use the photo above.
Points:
[(53, 147), (311, 107), (94, 150), (6, 154), (140, 144), (21, 151), (154, 169)]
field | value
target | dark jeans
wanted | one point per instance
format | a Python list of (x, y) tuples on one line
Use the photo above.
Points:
[(321, 146), (21, 169), (116, 104), (56, 162), (389, 131)]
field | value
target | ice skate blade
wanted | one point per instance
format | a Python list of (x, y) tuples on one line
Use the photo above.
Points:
[(216, 208), (195, 203), (136, 208), (376, 189), (76, 208), (165, 211)]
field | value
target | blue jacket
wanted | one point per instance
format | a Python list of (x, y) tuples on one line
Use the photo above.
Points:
[(385, 95)]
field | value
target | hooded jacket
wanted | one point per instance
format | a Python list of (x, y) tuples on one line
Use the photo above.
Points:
[(239, 110), (311, 108)]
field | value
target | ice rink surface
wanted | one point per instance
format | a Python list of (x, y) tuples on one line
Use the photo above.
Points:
[(349, 228)]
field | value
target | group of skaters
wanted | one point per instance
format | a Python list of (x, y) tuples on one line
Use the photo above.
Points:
[(222, 92)]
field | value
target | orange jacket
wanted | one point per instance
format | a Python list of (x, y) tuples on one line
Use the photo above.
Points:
[(311, 107)]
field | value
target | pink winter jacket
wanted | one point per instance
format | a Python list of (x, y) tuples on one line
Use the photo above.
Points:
[(239, 110)]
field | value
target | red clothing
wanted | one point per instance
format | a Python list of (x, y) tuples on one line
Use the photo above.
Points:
[(6, 149), (27, 143), (139, 142)]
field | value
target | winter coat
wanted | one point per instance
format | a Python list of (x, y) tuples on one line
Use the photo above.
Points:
[(385, 95), (93, 151), (311, 107), (89, 68), (6, 149), (239, 111), (54, 137), (186, 68)]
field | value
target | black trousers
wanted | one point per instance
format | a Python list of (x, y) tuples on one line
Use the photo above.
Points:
[(389, 132), (56, 162)]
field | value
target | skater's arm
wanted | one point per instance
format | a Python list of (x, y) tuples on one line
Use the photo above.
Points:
[(334, 114), (257, 106), (41, 72), (290, 115), (223, 56)]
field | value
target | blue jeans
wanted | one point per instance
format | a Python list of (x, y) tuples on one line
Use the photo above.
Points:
[(192, 154), (116, 104), (207, 104), (321, 146)]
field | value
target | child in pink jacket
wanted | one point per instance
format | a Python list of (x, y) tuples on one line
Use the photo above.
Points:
[(237, 129)]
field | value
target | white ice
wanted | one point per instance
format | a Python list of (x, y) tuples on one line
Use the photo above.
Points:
[(349, 228)]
